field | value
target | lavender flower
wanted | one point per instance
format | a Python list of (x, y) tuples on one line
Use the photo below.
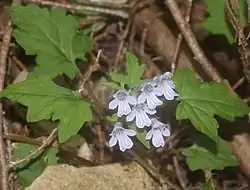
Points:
[(165, 86), (140, 112), (149, 93), (122, 100), (120, 135), (157, 132)]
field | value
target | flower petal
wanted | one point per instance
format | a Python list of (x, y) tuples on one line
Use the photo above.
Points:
[(124, 142), (145, 119), (149, 134), (139, 121), (128, 142), (156, 123), (121, 142), (170, 83), (169, 93), (153, 101), (120, 109), (165, 131), (127, 108), (112, 141), (149, 111), (123, 108), (157, 139), (131, 100), (167, 75), (158, 92), (129, 132), (131, 116), (113, 104), (141, 98)]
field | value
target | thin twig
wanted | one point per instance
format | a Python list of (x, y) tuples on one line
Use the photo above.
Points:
[(191, 41), (3, 61), (20, 138), (46, 142), (180, 37), (19, 63), (92, 68), (6, 125), (242, 45), (4, 175), (113, 12), (238, 83), (125, 34), (180, 175), (121, 46)]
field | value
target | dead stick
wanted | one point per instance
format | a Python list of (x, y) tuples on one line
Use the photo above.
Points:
[(32, 153), (113, 12), (191, 41), (180, 37), (3, 62)]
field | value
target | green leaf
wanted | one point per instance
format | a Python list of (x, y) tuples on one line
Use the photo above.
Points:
[(119, 78), (217, 23), (140, 135), (206, 186), (133, 69), (46, 100), (50, 156), (111, 85), (200, 102), (113, 118), (29, 170), (205, 154), (51, 36)]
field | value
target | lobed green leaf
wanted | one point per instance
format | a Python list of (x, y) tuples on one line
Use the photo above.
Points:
[(52, 36), (217, 22), (200, 102), (134, 72), (46, 100), (205, 154)]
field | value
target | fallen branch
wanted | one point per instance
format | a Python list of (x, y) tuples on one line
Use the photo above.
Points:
[(191, 41), (3, 62), (46, 142), (107, 11), (180, 37)]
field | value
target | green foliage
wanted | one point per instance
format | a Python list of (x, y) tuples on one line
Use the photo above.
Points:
[(112, 118), (134, 72), (200, 102), (205, 154), (46, 100), (112, 85), (217, 22), (28, 171), (206, 186), (52, 36)]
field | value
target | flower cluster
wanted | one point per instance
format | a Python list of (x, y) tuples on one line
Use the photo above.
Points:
[(140, 105)]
